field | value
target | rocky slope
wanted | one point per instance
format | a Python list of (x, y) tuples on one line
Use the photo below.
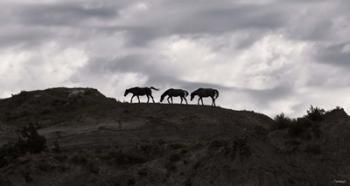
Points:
[(95, 140)]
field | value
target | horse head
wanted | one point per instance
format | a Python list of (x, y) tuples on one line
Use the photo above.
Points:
[(193, 94), (126, 92), (164, 95), (162, 98)]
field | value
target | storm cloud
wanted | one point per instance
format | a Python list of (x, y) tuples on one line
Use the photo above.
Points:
[(269, 56)]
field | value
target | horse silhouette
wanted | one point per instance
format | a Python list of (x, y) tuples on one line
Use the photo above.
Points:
[(205, 92), (140, 91), (174, 93)]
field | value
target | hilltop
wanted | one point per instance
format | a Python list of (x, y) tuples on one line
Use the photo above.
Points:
[(96, 140)]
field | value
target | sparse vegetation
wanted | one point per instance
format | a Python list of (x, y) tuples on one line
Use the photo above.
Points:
[(79, 159), (281, 122), (315, 113), (306, 127), (313, 149), (241, 146), (298, 127), (123, 158), (194, 146), (29, 141)]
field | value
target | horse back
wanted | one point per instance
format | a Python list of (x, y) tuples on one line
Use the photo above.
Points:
[(141, 91)]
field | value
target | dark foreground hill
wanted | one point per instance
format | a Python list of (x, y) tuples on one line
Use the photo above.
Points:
[(95, 140)]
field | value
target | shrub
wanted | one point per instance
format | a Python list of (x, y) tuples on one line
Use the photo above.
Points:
[(175, 157), (313, 149), (44, 166), (124, 158), (29, 141), (79, 159), (241, 145), (304, 128), (315, 113), (260, 131), (281, 122), (299, 127), (93, 167), (56, 147)]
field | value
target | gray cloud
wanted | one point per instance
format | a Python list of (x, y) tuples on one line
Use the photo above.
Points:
[(68, 14), (269, 55), (338, 55)]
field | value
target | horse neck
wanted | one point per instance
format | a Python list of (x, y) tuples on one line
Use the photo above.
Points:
[(193, 94), (164, 94)]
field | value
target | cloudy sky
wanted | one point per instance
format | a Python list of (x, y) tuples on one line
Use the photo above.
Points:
[(269, 56)]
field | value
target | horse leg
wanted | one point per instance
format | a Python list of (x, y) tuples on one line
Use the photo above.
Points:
[(172, 101), (138, 99), (168, 99), (152, 98), (132, 97), (186, 101), (199, 100), (213, 101), (202, 101), (181, 100), (147, 98)]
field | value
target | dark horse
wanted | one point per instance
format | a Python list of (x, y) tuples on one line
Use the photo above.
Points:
[(140, 91), (205, 92), (174, 93)]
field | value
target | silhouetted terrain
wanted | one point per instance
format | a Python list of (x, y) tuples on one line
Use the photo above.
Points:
[(95, 140)]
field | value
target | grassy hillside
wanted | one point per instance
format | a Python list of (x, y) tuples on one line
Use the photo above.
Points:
[(95, 140)]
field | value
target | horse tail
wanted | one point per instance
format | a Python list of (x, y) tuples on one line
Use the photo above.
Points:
[(186, 93), (154, 88), (216, 94)]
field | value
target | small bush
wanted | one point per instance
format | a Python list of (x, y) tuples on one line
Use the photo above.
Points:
[(93, 167), (281, 122), (175, 157), (131, 181), (315, 113), (313, 149), (170, 166), (44, 166), (177, 146), (79, 159), (29, 141), (142, 172), (304, 128), (241, 145), (61, 157), (124, 158), (260, 131), (56, 147), (298, 128)]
